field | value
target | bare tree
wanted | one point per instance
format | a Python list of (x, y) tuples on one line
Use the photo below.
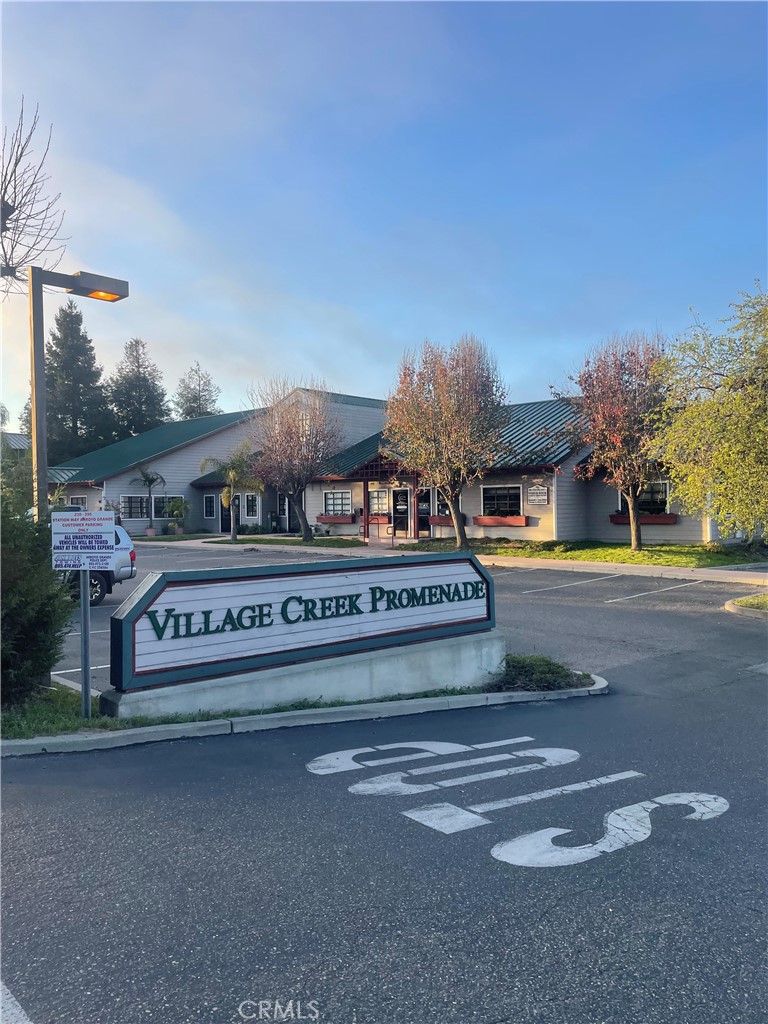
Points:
[(31, 220), (296, 432)]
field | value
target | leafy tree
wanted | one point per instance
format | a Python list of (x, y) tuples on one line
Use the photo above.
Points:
[(77, 415), (34, 606), (136, 392), (151, 480), (30, 225), (619, 397), (239, 473), (445, 416), (196, 394), (713, 438), (25, 418), (297, 431)]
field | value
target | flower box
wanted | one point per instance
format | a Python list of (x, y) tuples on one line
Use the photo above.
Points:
[(445, 520), (647, 519), (378, 520), (333, 520), (500, 520)]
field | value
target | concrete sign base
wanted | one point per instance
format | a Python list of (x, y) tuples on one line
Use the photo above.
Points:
[(470, 660)]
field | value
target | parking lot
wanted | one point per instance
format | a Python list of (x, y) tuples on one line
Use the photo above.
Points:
[(594, 622)]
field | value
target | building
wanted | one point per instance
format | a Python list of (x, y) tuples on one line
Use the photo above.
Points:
[(108, 478)]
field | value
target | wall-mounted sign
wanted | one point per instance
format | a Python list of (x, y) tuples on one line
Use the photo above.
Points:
[(82, 540), (182, 626), (538, 495)]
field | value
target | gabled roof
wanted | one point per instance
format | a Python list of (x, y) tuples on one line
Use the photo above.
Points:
[(534, 434), (123, 455), (17, 442), (338, 399)]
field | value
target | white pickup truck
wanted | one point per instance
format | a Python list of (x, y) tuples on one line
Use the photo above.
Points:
[(122, 567)]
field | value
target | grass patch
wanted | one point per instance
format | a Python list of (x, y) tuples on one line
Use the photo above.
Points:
[(535, 672), (55, 710), (316, 542), (693, 556), (759, 601)]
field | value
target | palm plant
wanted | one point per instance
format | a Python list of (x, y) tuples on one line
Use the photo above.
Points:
[(150, 479), (238, 474)]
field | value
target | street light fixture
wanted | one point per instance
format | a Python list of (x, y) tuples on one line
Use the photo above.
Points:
[(91, 286)]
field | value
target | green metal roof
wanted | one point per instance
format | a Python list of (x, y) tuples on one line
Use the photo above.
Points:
[(534, 434), (123, 455), (338, 399), (213, 479)]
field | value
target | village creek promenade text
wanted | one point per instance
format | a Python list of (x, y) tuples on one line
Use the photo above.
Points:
[(181, 625)]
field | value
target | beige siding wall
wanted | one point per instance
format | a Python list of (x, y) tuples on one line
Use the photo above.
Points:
[(540, 517), (602, 501), (314, 504), (179, 468), (571, 502), (92, 496)]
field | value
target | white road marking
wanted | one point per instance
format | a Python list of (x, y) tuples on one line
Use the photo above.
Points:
[(503, 743), (489, 759), (513, 572), (12, 1013), (394, 784), (92, 632), (623, 827), (763, 669), (544, 794), (344, 760), (647, 592), (448, 818), (67, 671), (578, 583)]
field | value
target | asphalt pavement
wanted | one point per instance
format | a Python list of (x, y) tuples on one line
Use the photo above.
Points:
[(195, 880)]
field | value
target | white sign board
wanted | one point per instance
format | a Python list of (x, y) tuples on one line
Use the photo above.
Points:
[(538, 495), (182, 626), (83, 540)]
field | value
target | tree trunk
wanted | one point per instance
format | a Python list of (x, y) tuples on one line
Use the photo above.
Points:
[(298, 508), (452, 500), (232, 523), (636, 543)]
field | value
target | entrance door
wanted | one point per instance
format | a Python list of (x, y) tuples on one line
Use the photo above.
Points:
[(401, 506), (227, 513), (424, 502)]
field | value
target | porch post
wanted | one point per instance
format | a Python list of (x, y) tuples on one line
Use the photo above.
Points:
[(366, 527)]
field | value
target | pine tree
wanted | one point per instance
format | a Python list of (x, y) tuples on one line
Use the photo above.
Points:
[(136, 392), (196, 394), (78, 418)]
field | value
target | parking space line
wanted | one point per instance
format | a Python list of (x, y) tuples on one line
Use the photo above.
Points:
[(65, 671), (514, 572), (646, 593), (12, 1012), (578, 583), (92, 632)]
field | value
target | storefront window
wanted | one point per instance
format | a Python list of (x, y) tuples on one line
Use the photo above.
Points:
[(502, 501)]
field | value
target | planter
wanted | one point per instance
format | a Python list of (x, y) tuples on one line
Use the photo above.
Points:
[(150, 532), (649, 519), (445, 520), (177, 529), (331, 520), (500, 520)]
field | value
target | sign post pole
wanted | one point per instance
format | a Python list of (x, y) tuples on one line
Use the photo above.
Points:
[(85, 640)]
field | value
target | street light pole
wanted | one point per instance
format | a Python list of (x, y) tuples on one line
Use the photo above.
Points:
[(91, 286), (38, 403)]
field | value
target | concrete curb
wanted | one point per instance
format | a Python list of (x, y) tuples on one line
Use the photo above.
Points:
[(752, 613), (256, 723)]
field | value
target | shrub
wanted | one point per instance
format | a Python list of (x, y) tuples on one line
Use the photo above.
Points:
[(535, 672), (715, 548), (35, 607)]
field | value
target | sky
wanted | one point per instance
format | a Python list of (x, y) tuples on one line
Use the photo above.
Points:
[(310, 189)]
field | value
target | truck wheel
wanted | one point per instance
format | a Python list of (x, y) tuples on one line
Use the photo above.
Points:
[(98, 586)]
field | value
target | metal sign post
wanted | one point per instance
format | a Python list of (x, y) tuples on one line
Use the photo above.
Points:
[(83, 541)]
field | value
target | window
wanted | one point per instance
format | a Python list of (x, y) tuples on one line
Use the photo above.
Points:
[(442, 505), (502, 501), (653, 499), (79, 499), (378, 502), (209, 506), (337, 503), (134, 506), (251, 506), (162, 505)]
